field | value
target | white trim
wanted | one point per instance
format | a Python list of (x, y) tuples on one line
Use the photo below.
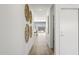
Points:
[(57, 23)]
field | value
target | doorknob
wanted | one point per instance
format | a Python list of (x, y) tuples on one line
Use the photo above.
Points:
[(61, 34)]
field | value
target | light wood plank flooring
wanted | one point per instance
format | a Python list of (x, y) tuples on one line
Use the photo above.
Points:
[(40, 46)]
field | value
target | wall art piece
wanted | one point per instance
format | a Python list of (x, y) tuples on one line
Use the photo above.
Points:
[(30, 31), (30, 16), (27, 33), (27, 12)]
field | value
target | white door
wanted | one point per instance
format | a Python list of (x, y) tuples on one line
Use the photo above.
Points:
[(69, 31)]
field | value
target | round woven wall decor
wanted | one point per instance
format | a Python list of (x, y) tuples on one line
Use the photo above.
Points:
[(27, 12)]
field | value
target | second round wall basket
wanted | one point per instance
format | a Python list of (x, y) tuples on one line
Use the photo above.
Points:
[(30, 16)]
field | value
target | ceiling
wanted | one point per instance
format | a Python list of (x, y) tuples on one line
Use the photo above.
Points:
[(40, 9)]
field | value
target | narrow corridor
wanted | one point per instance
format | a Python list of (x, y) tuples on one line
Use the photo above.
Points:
[(40, 46)]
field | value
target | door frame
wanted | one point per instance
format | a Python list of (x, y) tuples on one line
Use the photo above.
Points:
[(57, 24)]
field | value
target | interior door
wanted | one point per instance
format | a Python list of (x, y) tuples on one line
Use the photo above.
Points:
[(69, 31)]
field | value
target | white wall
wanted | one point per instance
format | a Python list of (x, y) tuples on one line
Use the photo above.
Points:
[(51, 26), (57, 31), (12, 25)]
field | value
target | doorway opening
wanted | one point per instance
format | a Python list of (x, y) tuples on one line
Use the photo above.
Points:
[(42, 29)]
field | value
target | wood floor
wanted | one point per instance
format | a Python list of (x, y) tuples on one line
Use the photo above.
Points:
[(40, 46)]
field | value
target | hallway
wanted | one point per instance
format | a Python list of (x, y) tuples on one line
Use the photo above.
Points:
[(40, 46)]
